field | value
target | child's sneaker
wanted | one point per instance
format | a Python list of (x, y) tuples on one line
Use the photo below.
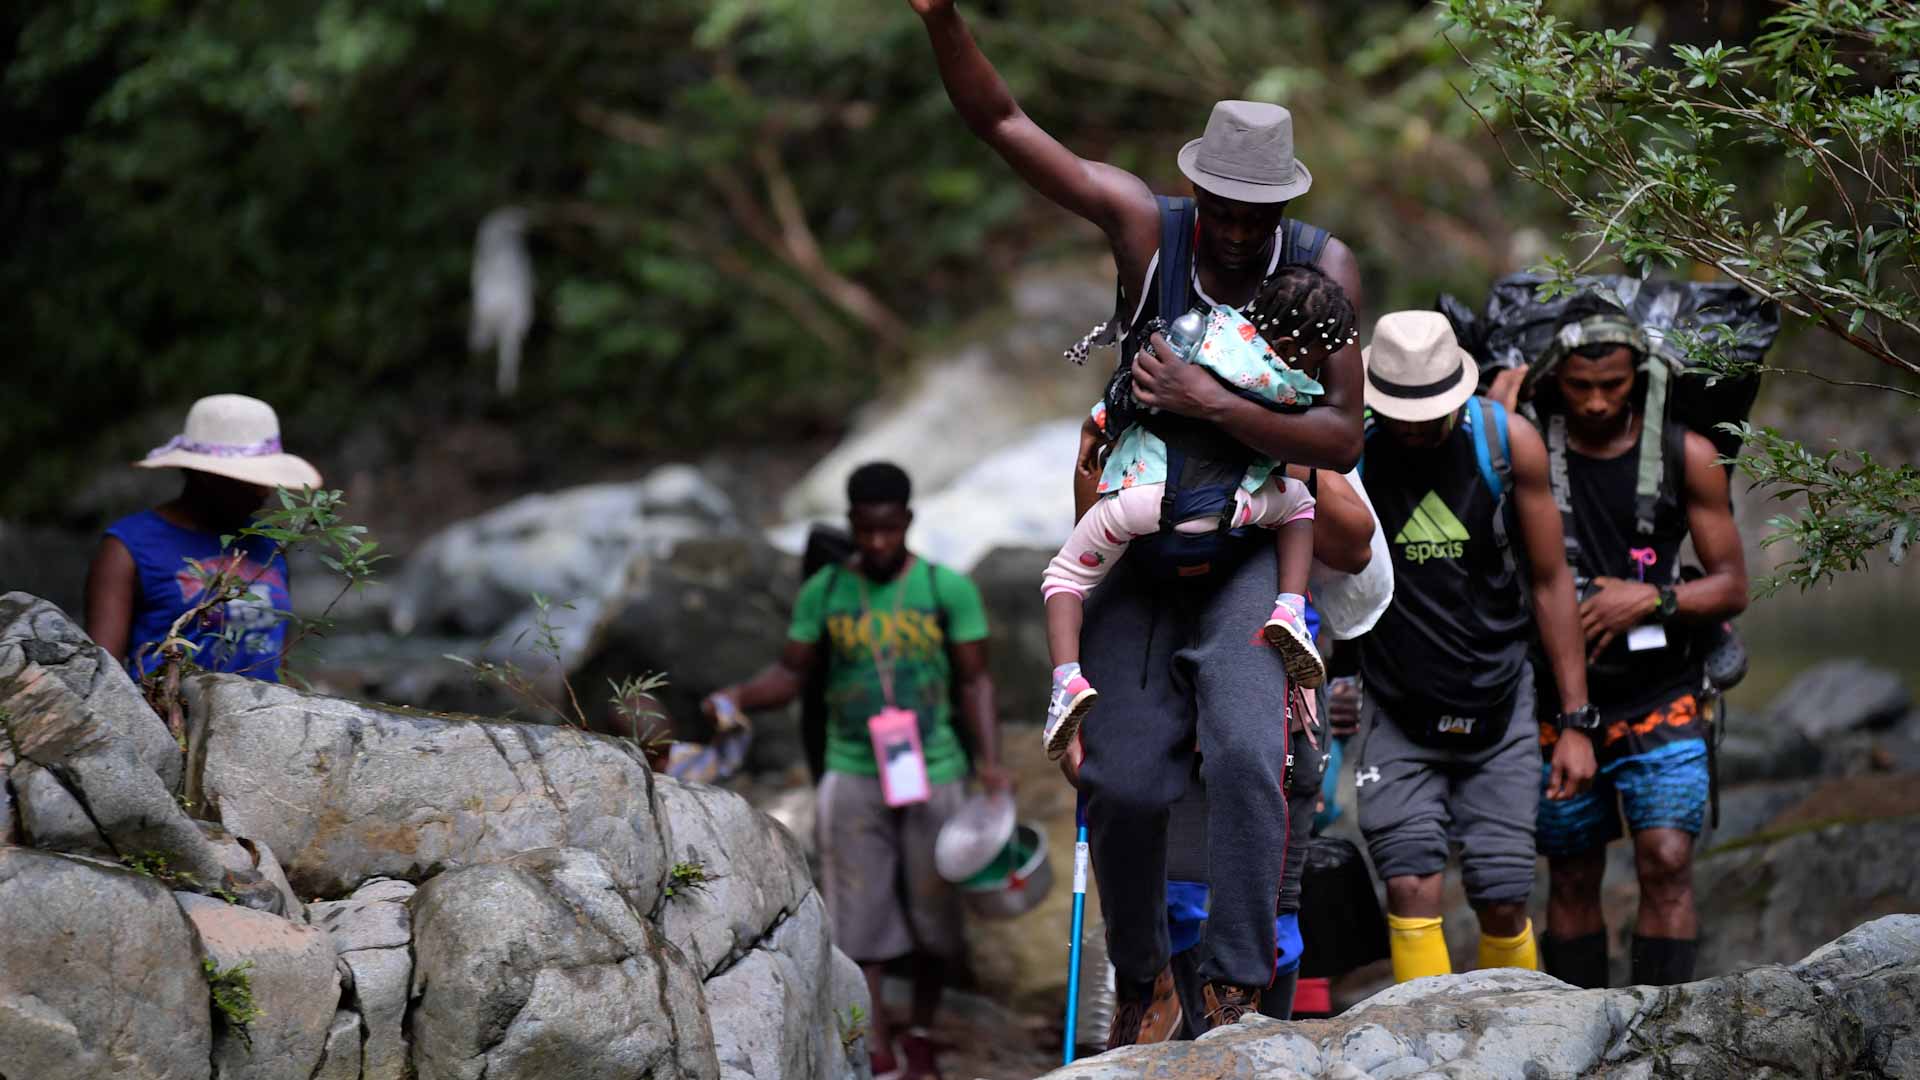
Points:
[(1072, 697), (1287, 632)]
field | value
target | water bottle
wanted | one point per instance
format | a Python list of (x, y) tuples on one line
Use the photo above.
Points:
[(1185, 333)]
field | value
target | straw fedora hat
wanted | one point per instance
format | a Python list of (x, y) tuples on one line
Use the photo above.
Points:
[(1246, 154), (1416, 370), (237, 437)]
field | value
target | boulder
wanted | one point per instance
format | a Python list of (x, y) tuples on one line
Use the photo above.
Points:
[(252, 875), (1849, 1009), (1009, 582), (540, 967), (98, 764), (340, 1060), (774, 1014), (100, 976), (50, 817), (9, 817), (290, 972), (344, 792), (847, 991), (372, 931), (1840, 696), (33, 631), (573, 545), (758, 874)]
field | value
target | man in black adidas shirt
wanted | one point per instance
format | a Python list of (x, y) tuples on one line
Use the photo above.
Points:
[(1447, 744), (1632, 487), (1176, 663)]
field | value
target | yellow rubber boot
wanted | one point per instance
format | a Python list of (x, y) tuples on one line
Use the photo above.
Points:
[(1419, 948), (1514, 952)]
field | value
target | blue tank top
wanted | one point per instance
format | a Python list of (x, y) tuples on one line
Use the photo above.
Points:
[(171, 568)]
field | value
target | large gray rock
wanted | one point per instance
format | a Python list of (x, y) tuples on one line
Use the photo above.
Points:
[(33, 631), (774, 1014), (759, 874), (847, 990), (340, 1060), (1850, 1009), (1009, 583), (51, 818), (9, 815), (1840, 696), (344, 792), (99, 764), (99, 976), (573, 545), (540, 967), (295, 985), (372, 930)]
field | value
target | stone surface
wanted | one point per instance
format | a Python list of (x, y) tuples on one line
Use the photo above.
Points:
[(344, 792), (100, 976), (540, 967), (253, 875), (573, 545), (1009, 583), (50, 817), (1840, 696), (340, 1059), (1850, 1009), (9, 815), (382, 984), (295, 984), (761, 875), (773, 1012), (847, 990), (34, 631)]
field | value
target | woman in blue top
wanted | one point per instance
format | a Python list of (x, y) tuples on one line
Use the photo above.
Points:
[(153, 566)]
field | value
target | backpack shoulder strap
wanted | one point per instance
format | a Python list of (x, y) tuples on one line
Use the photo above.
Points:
[(1488, 421), (1653, 446), (1177, 217), (1302, 244)]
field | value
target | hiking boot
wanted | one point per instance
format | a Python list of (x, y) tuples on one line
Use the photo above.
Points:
[(1286, 631), (1072, 698), (917, 1047), (1227, 1004), (1155, 1018)]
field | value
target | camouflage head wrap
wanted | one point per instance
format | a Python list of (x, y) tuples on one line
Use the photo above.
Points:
[(1607, 328)]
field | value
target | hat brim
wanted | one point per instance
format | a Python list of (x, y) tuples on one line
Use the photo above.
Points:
[(1242, 190), (268, 470), (1414, 410)]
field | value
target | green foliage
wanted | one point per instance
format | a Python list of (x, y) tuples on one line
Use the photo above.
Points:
[(687, 877), (853, 1027), (1668, 157), (635, 709), (749, 208), (158, 865), (1855, 507), (232, 990)]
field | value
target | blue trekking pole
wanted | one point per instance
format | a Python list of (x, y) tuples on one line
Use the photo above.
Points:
[(1079, 918)]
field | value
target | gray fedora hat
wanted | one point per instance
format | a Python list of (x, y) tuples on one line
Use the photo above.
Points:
[(1247, 154)]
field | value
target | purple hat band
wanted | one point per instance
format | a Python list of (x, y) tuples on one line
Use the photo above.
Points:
[(263, 448)]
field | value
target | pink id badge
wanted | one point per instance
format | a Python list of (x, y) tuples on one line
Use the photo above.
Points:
[(896, 746)]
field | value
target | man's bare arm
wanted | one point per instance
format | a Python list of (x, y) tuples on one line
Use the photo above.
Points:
[(1722, 592), (1119, 202)]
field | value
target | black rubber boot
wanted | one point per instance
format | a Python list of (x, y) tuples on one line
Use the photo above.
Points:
[(1663, 961), (1581, 961)]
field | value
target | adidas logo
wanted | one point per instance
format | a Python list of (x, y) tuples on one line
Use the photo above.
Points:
[(1433, 532)]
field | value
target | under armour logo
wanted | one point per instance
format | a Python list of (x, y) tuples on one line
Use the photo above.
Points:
[(1366, 776)]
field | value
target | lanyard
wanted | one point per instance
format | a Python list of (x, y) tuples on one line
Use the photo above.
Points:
[(885, 653)]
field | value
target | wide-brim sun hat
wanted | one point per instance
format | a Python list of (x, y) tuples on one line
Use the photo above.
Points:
[(1416, 369), (1246, 154), (237, 437)]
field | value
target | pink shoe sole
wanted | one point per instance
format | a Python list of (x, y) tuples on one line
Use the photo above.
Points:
[(1062, 737)]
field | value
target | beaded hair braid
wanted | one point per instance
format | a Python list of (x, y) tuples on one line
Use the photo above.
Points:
[(1303, 303)]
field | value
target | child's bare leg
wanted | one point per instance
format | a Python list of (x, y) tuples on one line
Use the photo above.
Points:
[(1064, 612), (1099, 539), (1283, 505), (1293, 545)]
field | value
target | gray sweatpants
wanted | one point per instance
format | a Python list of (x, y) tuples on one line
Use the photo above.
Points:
[(1415, 800), (1177, 664)]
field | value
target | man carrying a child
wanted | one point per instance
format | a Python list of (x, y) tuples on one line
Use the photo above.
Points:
[(1179, 664)]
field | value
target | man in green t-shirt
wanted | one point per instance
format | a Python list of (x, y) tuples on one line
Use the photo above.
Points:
[(897, 634)]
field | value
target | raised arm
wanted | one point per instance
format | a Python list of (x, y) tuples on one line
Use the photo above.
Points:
[(1327, 436), (1112, 198)]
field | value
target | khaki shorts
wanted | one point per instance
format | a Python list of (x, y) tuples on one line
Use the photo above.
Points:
[(876, 866)]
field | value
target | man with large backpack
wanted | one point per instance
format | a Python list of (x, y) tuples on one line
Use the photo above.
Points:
[(1631, 486), (1178, 658), (1447, 753), (894, 633)]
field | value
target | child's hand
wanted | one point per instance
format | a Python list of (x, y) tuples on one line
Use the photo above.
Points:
[(1094, 448)]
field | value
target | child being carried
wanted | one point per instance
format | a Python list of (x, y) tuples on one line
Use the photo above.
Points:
[(1272, 352)]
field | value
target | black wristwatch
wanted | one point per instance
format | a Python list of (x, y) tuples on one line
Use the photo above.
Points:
[(1669, 603), (1584, 718)]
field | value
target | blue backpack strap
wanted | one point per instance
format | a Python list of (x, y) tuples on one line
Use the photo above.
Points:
[(1177, 216), (1302, 244), (1491, 452)]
